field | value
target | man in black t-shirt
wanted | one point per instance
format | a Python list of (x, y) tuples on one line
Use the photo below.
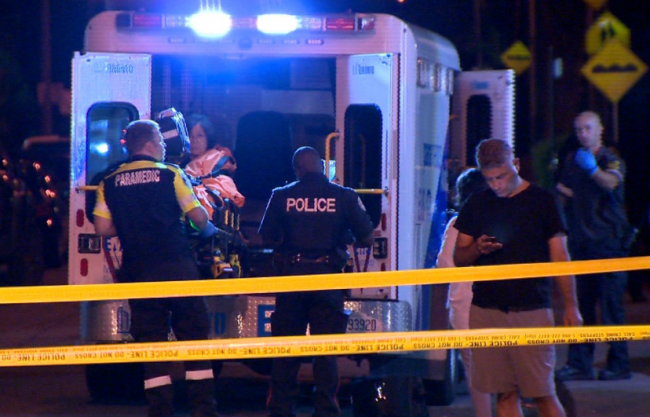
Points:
[(513, 222), (592, 186)]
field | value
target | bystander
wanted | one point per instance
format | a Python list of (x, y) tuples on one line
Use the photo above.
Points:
[(513, 222)]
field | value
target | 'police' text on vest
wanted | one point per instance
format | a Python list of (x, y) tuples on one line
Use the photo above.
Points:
[(312, 205)]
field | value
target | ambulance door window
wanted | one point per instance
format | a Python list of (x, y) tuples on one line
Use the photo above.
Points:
[(106, 123), (479, 124), (362, 151)]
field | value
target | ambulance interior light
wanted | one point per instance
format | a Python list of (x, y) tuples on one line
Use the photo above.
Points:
[(210, 23), (102, 148), (277, 24)]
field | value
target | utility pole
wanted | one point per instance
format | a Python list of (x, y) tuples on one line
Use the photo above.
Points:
[(46, 68), (477, 33), (532, 73)]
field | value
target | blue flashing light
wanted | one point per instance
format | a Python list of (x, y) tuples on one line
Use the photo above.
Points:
[(210, 23), (277, 24)]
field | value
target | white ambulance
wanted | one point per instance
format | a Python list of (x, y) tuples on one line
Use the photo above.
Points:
[(277, 82)]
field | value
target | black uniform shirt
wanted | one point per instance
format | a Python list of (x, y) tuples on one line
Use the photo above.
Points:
[(314, 216), (595, 216), (146, 199)]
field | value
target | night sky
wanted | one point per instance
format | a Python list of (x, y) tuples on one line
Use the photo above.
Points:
[(561, 25)]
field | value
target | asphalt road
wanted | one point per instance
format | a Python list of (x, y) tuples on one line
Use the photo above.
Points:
[(60, 391)]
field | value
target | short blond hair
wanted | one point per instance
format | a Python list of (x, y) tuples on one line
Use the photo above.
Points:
[(138, 133)]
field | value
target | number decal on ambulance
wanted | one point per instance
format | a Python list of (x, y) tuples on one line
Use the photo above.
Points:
[(357, 325)]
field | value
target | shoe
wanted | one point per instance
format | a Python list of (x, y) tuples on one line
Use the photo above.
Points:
[(607, 375), (569, 373)]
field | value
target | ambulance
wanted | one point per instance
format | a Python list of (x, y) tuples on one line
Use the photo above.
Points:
[(384, 102)]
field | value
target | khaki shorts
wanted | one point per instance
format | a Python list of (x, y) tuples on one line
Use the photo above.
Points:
[(526, 369)]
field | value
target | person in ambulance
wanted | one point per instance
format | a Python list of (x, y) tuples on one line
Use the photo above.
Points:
[(143, 202), (211, 162), (204, 138)]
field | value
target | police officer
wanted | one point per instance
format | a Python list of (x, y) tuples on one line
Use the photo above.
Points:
[(592, 185), (310, 222), (142, 202)]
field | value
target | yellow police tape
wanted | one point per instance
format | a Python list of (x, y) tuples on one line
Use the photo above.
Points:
[(97, 292), (348, 344)]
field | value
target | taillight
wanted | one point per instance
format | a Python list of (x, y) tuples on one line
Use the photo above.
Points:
[(80, 218), (340, 23), (146, 20), (83, 267)]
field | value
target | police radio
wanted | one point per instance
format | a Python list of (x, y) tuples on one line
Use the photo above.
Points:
[(174, 131)]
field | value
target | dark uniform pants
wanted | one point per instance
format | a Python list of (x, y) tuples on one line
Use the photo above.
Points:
[(150, 321), (323, 311), (606, 290)]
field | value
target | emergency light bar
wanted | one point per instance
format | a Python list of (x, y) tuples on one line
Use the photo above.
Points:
[(277, 24), (215, 23), (211, 23)]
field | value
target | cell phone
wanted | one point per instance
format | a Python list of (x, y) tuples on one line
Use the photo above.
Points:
[(491, 239)]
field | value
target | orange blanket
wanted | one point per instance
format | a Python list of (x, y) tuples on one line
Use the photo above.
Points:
[(203, 165)]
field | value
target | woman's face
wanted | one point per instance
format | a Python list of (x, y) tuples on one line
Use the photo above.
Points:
[(198, 141)]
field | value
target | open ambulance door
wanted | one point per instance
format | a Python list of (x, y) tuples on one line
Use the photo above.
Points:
[(108, 92), (367, 112), (482, 108), (366, 115)]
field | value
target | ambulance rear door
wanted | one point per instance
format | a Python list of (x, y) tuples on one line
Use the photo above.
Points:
[(366, 113), (483, 106), (109, 90)]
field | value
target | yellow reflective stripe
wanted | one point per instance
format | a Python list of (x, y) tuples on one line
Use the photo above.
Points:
[(101, 208), (160, 381), (316, 345), (184, 194), (70, 293), (199, 375)]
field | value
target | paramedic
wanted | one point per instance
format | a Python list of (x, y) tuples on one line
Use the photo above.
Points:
[(142, 202), (513, 222), (309, 223), (592, 186)]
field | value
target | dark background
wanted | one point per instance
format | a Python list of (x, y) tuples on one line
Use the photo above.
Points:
[(37, 47)]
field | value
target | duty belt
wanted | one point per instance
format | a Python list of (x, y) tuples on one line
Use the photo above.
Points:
[(300, 259), (513, 309)]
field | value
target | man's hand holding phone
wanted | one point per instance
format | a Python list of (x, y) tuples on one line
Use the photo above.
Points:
[(487, 244)]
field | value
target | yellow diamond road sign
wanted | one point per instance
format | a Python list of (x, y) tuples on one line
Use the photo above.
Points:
[(604, 29), (596, 4), (614, 70), (517, 57)]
